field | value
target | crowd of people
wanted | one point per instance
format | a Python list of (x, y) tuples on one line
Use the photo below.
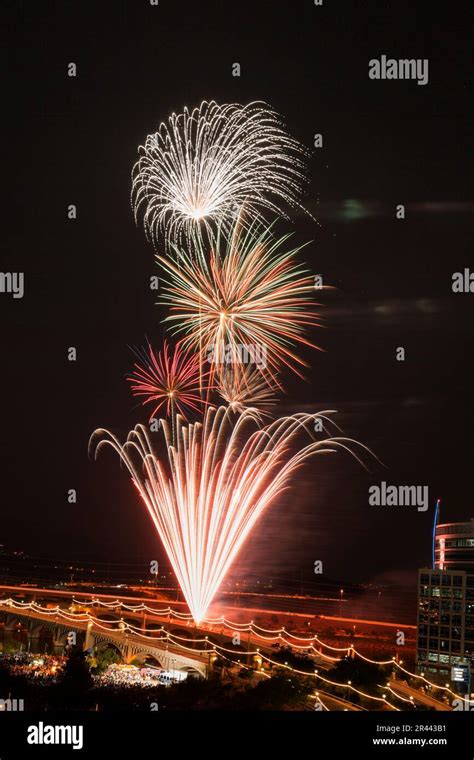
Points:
[(44, 667), (129, 675)]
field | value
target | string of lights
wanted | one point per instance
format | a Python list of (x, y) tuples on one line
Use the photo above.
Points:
[(121, 626), (398, 696), (348, 685), (174, 640)]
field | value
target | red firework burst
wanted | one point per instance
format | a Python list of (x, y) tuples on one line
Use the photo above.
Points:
[(170, 378)]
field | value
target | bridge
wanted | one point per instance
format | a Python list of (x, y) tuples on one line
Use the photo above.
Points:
[(132, 647)]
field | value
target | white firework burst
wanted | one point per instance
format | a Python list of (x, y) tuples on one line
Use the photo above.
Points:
[(202, 166)]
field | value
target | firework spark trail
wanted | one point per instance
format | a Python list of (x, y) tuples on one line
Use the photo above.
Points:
[(167, 378), (201, 166), (253, 293), (242, 386), (206, 495)]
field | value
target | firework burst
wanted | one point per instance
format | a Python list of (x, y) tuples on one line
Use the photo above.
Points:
[(207, 492), (168, 378), (253, 297), (243, 387), (202, 166)]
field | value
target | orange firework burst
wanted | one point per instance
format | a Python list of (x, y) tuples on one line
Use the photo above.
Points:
[(167, 378), (253, 297)]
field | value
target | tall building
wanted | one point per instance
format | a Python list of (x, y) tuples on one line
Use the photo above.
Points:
[(454, 546), (445, 630)]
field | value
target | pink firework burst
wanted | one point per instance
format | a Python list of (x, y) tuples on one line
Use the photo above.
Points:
[(169, 378)]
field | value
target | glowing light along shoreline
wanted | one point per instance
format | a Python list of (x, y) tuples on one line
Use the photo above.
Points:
[(206, 494), (202, 165)]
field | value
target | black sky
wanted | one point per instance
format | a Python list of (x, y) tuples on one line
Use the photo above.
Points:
[(75, 141)]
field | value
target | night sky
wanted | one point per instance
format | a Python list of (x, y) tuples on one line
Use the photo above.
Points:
[(74, 140)]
